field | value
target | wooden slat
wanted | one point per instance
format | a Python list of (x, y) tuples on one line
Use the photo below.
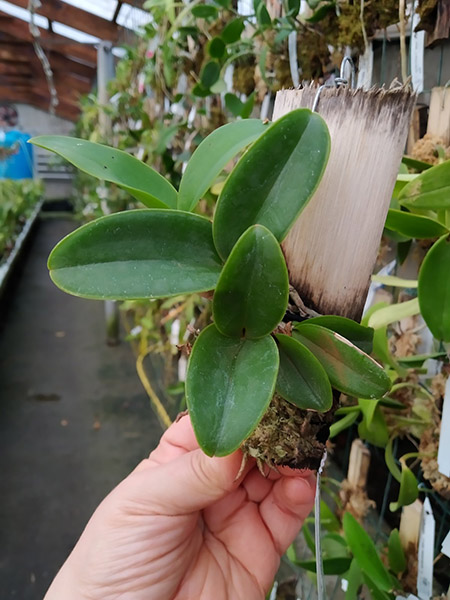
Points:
[(64, 109), (20, 30), (56, 10)]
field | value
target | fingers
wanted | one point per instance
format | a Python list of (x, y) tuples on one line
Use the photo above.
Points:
[(286, 507), (190, 482), (176, 441)]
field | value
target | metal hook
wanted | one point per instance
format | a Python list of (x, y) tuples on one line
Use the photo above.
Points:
[(344, 62)]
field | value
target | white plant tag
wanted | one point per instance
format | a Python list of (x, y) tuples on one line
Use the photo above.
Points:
[(365, 68), (426, 553), (444, 446), (445, 548), (293, 62), (417, 51)]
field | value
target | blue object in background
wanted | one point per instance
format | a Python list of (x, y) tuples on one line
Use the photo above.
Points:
[(18, 165)]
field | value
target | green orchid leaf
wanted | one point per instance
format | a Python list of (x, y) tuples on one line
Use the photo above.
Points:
[(413, 226), (349, 369), (365, 553), (252, 292), (373, 428), (417, 165), (391, 463), (204, 11), (392, 281), (409, 491), (392, 403), (210, 73), (274, 180), (434, 289), (357, 334), (212, 155), (301, 378), (396, 554), (216, 47), (416, 361), (147, 253), (343, 423), (232, 31), (375, 592), (229, 385), (234, 104), (355, 580), (113, 165), (331, 566), (430, 190), (394, 312)]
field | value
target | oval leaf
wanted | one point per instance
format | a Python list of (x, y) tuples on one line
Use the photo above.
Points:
[(365, 553), (414, 226), (430, 190), (210, 73), (301, 378), (409, 491), (229, 385), (216, 47), (252, 292), (396, 555), (232, 31), (146, 253), (357, 334), (274, 180), (212, 155), (204, 11), (434, 289), (349, 369), (113, 165)]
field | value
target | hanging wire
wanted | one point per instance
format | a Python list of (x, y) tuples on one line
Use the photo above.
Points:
[(317, 533), (338, 81), (33, 5)]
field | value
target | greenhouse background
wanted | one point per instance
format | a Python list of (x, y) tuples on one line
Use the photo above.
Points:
[(88, 387)]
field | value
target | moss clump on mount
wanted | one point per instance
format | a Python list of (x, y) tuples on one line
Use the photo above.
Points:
[(288, 436), (313, 54), (244, 75)]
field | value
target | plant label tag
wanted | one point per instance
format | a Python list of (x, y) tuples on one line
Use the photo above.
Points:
[(365, 68), (417, 50), (444, 446), (426, 553), (445, 548), (293, 61), (409, 597)]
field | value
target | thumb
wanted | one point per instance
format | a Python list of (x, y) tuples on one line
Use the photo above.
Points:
[(189, 483)]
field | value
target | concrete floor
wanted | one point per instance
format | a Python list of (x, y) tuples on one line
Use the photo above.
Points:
[(74, 420)]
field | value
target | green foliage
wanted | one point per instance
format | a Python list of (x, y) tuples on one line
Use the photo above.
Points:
[(413, 226), (396, 555), (229, 386), (103, 162), (252, 293), (212, 155), (350, 370), (408, 492), (146, 253), (301, 379), (358, 334), (274, 180), (430, 190), (17, 201), (434, 289)]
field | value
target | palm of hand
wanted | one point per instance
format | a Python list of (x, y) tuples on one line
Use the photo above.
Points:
[(180, 528)]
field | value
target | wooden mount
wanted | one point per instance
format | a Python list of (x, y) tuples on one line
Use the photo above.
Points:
[(332, 248)]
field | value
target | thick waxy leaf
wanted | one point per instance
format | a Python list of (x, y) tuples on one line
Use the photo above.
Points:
[(109, 164), (210, 74), (413, 163), (301, 378), (396, 555), (357, 334), (274, 180), (252, 292), (355, 580), (394, 312), (365, 553), (373, 428), (232, 32), (343, 424), (409, 490), (434, 289), (430, 190), (136, 254), (349, 369), (204, 11), (229, 385), (413, 226), (216, 47), (331, 566), (212, 155)]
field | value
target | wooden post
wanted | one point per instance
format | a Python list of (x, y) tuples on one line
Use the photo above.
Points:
[(332, 248), (439, 116)]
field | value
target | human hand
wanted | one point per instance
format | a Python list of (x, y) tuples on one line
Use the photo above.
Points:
[(180, 527)]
